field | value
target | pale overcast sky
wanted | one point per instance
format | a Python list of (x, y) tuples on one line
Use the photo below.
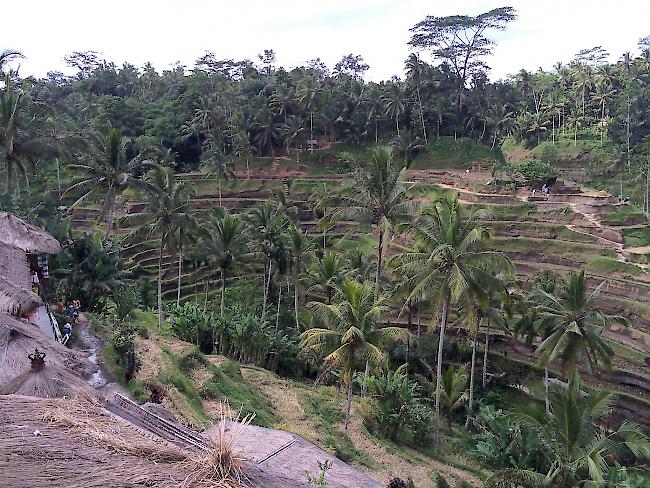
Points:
[(166, 31)]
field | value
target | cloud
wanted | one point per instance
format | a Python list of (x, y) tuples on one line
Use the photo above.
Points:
[(164, 31)]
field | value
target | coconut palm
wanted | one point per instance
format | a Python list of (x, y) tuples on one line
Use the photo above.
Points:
[(448, 260), (291, 130), (579, 452), (395, 102), (7, 56), (186, 231), (225, 243), (350, 336), (415, 73), (574, 324), (300, 249), (308, 93), (167, 208), (377, 197), (107, 175), (326, 274)]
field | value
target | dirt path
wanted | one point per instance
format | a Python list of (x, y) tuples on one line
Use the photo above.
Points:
[(92, 345)]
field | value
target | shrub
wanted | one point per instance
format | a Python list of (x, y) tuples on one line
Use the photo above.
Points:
[(536, 172)]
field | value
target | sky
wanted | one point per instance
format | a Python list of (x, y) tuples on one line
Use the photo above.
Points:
[(164, 32)]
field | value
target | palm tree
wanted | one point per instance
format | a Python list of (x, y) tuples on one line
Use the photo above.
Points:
[(394, 102), (7, 56), (448, 260), (108, 174), (574, 324), (268, 226), (225, 243), (218, 168), (307, 93), (350, 337), (579, 451), (377, 196), (415, 72), (11, 105), (300, 248), (453, 392), (291, 130), (186, 230), (168, 207), (326, 274)]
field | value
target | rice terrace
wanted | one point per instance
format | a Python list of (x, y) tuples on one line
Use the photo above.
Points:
[(255, 270)]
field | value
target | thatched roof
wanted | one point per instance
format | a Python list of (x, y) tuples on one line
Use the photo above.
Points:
[(18, 233), (15, 299), (290, 456), (51, 381), (76, 443), (18, 339)]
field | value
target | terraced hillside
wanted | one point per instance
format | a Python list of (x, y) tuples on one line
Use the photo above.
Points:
[(571, 228)]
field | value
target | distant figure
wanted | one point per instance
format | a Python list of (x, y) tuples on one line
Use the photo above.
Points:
[(545, 189), (69, 312), (533, 192), (626, 198), (467, 171), (60, 305), (67, 333)]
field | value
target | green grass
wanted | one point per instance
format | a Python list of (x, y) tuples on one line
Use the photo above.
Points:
[(569, 250), (449, 153), (624, 215), (637, 237), (325, 409), (227, 383), (549, 231), (605, 265)]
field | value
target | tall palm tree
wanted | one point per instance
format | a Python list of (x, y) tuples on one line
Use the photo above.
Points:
[(377, 197), (395, 102), (350, 337), (579, 451), (7, 56), (291, 130), (186, 231), (108, 174), (11, 107), (268, 226), (168, 207), (448, 260), (308, 94), (574, 323), (300, 248), (415, 73), (225, 243)]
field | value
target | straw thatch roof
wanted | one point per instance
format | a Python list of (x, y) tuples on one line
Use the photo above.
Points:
[(16, 300), (51, 381), (76, 443), (290, 456), (18, 339), (18, 233)]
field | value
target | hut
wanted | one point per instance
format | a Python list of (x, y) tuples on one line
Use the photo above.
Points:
[(19, 338), (45, 380)]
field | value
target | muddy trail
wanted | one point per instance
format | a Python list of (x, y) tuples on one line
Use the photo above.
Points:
[(88, 343)]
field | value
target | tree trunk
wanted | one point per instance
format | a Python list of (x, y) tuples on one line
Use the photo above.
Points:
[(424, 128), (441, 340), (349, 403), (295, 295), (485, 354), (220, 200), (311, 132), (397, 123), (109, 223), (366, 373), (58, 176), (180, 269), (277, 315), (546, 403), (380, 251), (223, 291), (471, 380), (265, 286), (160, 307)]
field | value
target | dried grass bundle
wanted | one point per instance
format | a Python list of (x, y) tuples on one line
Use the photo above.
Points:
[(90, 423), (49, 382), (221, 466)]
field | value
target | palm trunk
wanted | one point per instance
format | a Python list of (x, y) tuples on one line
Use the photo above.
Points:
[(223, 290), (441, 341), (380, 250), (348, 408), (109, 223), (180, 269), (485, 354), (424, 128), (277, 314), (366, 373), (546, 403), (311, 132), (397, 123), (265, 286), (160, 307), (295, 296), (471, 380), (58, 176), (220, 200)]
